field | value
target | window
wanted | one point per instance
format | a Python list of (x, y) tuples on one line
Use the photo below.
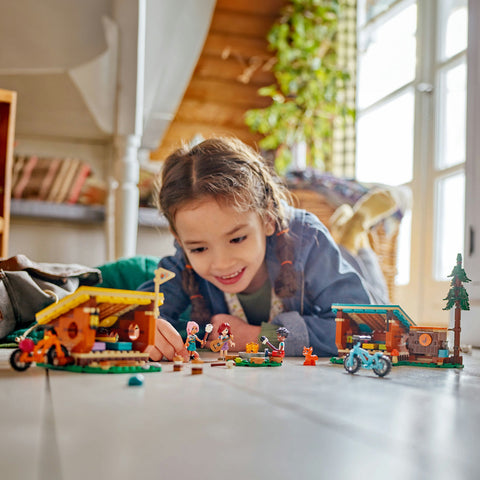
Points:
[(411, 130)]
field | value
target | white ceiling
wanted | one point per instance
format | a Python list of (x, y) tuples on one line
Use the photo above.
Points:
[(74, 64)]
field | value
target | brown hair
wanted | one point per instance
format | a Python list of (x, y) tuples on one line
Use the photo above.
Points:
[(229, 171)]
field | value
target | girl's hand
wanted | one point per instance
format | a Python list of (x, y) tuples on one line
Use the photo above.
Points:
[(168, 342), (243, 332)]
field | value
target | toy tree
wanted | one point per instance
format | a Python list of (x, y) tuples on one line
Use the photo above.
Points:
[(457, 297)]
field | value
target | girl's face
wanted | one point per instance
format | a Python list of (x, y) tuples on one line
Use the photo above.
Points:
[(224, 332), (225, 247)]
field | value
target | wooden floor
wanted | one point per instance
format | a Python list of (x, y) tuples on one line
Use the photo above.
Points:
[(288, 422)]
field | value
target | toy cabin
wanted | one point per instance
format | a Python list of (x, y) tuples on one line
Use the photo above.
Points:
[(104, 326), (386, 326), (390, 329)]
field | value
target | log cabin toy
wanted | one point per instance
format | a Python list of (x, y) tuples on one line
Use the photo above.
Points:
[(385, 326), (389, 329), (96, 330)]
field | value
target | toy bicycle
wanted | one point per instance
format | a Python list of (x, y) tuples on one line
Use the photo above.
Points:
[(48, 350), (359, 357)]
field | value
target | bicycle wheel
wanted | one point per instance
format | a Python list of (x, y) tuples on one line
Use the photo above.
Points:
[(16, 363), (352, 364), (383, 366)]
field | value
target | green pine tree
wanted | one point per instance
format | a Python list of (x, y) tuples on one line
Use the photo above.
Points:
[(457, 292)]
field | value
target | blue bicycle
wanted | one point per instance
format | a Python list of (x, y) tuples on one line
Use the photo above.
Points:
[(359, 357)]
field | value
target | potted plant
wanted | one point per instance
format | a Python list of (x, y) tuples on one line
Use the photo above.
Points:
[(309, 82)]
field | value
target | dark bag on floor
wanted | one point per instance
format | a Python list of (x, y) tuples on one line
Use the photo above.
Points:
[(26, 287)]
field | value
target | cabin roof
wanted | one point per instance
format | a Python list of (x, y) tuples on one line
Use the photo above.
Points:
[(374, 317), (109, 301)]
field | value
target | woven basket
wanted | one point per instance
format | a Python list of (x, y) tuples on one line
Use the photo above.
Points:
[(383, 244)]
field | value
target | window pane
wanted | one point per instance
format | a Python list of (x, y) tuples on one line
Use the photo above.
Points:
[(454, 26), (368, 9), (450, 223), (403, 250), (385, 142), (387, 56), (452, 118)]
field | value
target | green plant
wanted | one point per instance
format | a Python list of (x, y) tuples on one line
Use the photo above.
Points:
[(306, 96)]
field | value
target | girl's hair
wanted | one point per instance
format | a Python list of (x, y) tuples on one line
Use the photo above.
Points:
[(191, 325), (228, 171), (224, 326)]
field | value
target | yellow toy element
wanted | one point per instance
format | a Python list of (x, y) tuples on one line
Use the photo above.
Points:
[(108, 321), (251, 347), (112, 339), (101, 295), (161, 276)]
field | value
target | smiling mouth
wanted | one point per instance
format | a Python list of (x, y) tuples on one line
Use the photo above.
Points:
[(232, 278)]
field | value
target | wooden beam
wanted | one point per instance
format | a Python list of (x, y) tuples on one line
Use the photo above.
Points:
[(242, 24), (195, 111), (221, 44), (258, 7), (217, 91), (234, 70)]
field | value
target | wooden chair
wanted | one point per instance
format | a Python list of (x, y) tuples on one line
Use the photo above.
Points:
[(383, 243), (8, 103)]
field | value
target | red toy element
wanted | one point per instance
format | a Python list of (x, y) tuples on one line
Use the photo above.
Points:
[(309, 358)]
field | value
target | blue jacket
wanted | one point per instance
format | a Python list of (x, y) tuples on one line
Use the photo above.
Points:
[(326, 278)]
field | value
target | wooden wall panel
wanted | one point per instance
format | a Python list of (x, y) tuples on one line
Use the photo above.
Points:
[(233, 65), (233, 69)]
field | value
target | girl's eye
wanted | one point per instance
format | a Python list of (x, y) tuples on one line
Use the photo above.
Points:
[(198, 250), (238, 239)]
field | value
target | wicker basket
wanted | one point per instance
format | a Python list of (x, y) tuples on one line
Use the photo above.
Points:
[(383, 244)]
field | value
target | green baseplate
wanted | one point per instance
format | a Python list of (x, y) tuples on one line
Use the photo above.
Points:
[(400, 363), (245, 363), (88, 369)]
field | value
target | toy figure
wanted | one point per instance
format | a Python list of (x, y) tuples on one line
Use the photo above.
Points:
[(309, 358), (282, 334), (192, 339), (224, 340)]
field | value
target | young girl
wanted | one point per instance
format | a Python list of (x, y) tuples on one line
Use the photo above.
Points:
[(244, 256)]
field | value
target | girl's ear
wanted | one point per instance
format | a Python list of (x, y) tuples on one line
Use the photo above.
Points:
[(269, 226)]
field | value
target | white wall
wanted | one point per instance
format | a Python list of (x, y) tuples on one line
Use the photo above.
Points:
[(69, 242)]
